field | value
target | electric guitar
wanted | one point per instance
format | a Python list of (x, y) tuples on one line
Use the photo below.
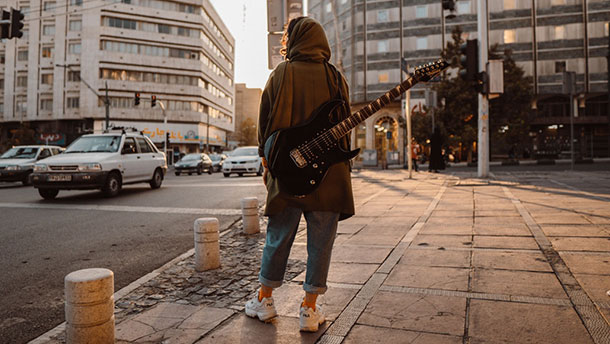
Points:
[(300, 156)]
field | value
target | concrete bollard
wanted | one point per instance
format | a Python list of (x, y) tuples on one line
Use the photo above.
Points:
[(207, 246), (89, 306), (249, 215)]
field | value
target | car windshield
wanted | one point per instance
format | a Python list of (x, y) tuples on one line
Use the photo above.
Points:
[(90, 144), (189, 157), (215, 157), (20, 153), (253, 151)]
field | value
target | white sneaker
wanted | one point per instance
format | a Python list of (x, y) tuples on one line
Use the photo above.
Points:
[(264, 309), (311, 320)]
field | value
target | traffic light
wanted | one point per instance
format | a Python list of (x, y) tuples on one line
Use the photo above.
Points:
[(166, 139), (449, 5), (16, 28), (137, 99), (469, 60), (153, 101), (4, 27)]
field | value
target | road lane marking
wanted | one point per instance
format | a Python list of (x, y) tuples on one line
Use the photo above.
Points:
[(123, 208)]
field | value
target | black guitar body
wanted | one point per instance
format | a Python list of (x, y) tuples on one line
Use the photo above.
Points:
[(301, 173)]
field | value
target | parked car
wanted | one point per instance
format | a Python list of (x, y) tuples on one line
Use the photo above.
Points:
[(17, 163), (194, 162), (243, 160), (217, 161), (101, 161)]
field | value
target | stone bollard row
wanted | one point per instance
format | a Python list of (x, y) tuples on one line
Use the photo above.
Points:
[(207, 245), (89, 306), (249, 210)]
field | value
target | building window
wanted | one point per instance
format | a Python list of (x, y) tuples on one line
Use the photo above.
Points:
[(76, 25), (1, 84), (74, 76), (46, 79), (26, 34), (329, 7), (74, 48), (22, 55), (509, 36), (120, 23), (383, 16), (21, 105), (421, 11), (76, 2), (383, 46), (422, 43), (463, 7), (559, 32), (606, 29), (1, 108), (47, 52), (164, 29), (22, 81), (46, 104), (383, 77), (49, 5), (2, 58), (560, 66), (48, 30), (73, 102)]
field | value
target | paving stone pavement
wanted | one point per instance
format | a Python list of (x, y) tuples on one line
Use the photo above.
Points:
[(440, 258)]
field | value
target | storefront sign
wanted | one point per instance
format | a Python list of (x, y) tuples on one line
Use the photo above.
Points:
[(51, 139), (178, 132)]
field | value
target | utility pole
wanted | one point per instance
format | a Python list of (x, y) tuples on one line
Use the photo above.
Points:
[(608, 76), (207, 134), (483, 134), (164, 126), (409, 148), (106, 99)]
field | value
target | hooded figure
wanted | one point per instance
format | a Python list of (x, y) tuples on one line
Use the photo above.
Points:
[(295, 89)]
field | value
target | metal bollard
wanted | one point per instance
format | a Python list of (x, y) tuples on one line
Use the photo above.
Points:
[(89, 306), (249, 215), (207, 246)]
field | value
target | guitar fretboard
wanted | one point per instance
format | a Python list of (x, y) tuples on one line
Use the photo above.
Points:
[(342, 128)]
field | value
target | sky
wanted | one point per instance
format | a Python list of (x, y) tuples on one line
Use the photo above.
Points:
[(247, 22)]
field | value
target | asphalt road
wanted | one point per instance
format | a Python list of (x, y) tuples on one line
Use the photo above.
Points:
[(131, 234)]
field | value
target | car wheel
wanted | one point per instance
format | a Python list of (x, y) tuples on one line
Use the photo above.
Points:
[(157, 179), (113, 185), (226, 175), (260, 170), (177, 173), (48, 193), (240, 174), (210, 170), (199, 171), (190, 173)]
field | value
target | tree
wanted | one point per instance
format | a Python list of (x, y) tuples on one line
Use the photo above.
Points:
[(247, 133), (509, 113), (457, 116)]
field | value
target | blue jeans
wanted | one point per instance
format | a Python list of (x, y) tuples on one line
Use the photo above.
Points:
[(281, 231)]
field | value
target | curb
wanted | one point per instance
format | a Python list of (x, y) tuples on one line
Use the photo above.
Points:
[(48, 336)]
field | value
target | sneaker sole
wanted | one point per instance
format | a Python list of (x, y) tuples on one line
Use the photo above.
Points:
[(313, 329), (261, 317)]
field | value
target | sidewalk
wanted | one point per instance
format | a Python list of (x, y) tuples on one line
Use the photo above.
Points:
[(522, 257)]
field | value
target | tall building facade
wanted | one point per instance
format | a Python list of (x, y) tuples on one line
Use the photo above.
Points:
[(547, 37), (56, 77), (247, 105)]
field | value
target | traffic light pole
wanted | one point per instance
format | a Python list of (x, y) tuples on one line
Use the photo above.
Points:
[(483, 127), (164, 126)]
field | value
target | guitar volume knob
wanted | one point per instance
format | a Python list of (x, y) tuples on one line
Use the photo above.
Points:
[(312, 182), (314, 165)]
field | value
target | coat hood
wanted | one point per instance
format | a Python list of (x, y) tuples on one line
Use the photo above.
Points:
[(308, 42)]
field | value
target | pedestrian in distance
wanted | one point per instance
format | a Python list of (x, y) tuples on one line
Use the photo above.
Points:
[(296, 87), (414, 153), (436, 154)]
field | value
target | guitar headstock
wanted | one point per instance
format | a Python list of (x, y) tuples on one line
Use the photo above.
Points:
[(430, 70)]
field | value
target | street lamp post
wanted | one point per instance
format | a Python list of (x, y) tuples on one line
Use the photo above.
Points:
[(106, 99), (164, 126)]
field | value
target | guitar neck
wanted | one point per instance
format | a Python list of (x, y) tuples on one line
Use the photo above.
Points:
[(342, 128)]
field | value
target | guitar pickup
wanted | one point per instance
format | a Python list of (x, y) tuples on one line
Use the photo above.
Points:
[(298, 158)]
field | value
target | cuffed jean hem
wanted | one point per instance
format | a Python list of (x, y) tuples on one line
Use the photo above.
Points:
[(269, 283), (314, 290)]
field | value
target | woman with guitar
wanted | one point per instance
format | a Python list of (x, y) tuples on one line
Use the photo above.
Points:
[(295, 90)]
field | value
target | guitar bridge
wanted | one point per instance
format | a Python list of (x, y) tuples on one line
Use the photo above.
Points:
[(298, 158)]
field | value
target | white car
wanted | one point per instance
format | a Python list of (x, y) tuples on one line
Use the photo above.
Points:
[(17, 163), (101, 161), (243, 160)]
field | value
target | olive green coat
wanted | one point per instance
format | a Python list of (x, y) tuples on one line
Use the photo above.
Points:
[(294, 90)]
